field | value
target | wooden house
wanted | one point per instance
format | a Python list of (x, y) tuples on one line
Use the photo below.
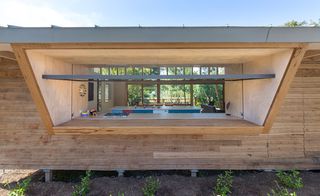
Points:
[(129, 98)]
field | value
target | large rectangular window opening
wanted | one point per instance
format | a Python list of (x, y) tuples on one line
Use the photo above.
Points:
[(162, 95), (158, 84), (173, 91), (158, 95)]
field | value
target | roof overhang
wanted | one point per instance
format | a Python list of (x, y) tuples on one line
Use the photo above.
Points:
[(159, 34)]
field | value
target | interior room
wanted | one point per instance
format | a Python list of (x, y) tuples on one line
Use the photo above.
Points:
[(156, 98)]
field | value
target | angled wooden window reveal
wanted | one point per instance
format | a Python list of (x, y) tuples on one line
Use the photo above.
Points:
[(22, 58), (283, 88), (33, 86)]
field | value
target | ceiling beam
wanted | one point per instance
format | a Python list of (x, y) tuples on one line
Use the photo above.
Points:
[(158, 77)]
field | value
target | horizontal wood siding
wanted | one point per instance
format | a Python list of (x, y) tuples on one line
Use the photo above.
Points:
[(293, 141)]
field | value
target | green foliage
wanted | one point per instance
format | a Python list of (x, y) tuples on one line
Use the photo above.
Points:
[(134, 94), (290, 179), (224, 184), (149, 94), (204, 93), (120, 194), (281, 191), (21, 188), (176, 94), (294, 23), (151, 186), (83, 188)]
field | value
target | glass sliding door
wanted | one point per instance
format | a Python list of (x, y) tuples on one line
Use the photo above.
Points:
[(149, 94), (175, 94), (212, 94), (134, 94)]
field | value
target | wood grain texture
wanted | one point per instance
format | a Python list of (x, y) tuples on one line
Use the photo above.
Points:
[(30, 79), (7, 55), (56, 94), (167, 49), (283, 88), (155, 56), (159, 127)]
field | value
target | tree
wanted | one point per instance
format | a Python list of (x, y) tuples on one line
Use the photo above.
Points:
[(134, 94), (204, 93), (294, 23)]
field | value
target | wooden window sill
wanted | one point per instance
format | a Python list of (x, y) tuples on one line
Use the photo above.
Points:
[(159, 127)]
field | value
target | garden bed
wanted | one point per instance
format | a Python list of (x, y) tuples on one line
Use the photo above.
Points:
[(171, 183)]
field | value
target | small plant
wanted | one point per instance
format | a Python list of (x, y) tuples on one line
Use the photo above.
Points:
[(151, 186), (281, 191), (120, 194), (83, 188), (21, 188), (224, 184), (290, 179)]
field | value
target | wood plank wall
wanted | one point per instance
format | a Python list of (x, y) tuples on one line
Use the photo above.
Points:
[(292, 143)]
